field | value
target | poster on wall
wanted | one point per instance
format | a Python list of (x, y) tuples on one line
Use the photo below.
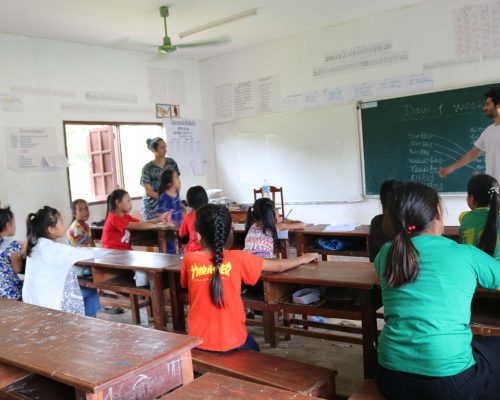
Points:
[(184, 144), (26, 148)]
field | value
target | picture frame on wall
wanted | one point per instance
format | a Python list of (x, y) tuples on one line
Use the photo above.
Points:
[(168, 111)]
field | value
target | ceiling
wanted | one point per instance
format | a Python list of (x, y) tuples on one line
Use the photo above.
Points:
[(136, 24)]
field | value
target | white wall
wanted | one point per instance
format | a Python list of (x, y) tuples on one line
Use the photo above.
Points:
[(425, 30), (57, 65)]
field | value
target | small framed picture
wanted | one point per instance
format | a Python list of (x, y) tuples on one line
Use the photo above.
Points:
[(163, 111), (168, 111)]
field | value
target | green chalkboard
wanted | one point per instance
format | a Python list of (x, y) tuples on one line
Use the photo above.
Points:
[(411, 138)]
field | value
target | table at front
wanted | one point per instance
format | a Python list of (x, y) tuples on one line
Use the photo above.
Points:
[(155, 237), (106, 273), (306, 240), (360, 276), (99, 359)]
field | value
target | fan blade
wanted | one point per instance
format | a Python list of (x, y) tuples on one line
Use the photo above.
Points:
[(213, 42)]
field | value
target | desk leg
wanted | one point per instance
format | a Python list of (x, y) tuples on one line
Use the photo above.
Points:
[(178, 319), (299, 243), (187, 368), (156, 286), (367, 300), (162, 241)]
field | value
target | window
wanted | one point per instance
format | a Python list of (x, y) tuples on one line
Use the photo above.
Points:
[(106, 156)]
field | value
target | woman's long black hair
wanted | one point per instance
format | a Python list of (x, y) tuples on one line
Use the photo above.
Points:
[(37, 225), (262, 212), (484, 189), (410, 210), (213, 223)]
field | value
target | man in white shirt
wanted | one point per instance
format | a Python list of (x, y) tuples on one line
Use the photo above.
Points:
[(489, 141)]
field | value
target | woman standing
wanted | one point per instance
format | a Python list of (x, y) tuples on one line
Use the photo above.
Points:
[(151, 173)]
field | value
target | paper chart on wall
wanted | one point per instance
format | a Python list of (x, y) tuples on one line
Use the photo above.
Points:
[(360, 58), (184, 141), (26, 147), (111, 97), (477, 29), (247, 98), (166, 85)]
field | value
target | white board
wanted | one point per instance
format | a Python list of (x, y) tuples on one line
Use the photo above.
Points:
[(312, 154)]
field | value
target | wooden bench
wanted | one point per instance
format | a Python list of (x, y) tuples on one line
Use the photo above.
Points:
[(268, 370), (126, 296), (367, 391), (214, 387)]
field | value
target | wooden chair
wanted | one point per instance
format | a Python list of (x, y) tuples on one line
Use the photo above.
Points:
[(274, 190)]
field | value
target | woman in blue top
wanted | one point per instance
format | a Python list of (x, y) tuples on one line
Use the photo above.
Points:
[(150, 177), (426, 350)]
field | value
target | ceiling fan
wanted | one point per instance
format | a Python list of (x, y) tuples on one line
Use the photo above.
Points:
[(168, 47)]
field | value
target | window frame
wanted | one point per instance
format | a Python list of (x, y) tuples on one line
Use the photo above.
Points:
[(119, 162)]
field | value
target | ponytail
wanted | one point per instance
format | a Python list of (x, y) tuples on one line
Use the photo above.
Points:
[(37, 225), (411, 209), (213, 223), (262, 212), (402, 262), (489, 237)]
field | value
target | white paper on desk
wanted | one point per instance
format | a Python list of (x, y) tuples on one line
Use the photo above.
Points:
[(341, 228), (238, 226), (283, 234)]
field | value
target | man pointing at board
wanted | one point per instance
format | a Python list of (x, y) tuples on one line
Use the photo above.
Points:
[(489, 141)]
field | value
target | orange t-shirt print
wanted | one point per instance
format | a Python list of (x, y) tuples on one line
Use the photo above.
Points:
[(221, 329)]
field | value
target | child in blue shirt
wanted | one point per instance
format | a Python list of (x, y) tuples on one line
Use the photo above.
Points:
[(169, 201)]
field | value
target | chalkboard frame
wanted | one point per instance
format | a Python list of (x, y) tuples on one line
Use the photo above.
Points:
[(483, 87)]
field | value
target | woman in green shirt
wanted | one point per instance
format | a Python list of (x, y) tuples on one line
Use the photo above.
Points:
[(425, 350), (480, 225), (150, 176)]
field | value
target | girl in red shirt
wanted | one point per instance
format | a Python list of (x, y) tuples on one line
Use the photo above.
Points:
[(196, 197), (115, 234), (213, 277)]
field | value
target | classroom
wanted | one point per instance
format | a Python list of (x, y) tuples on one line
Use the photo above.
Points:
[(325, 99)]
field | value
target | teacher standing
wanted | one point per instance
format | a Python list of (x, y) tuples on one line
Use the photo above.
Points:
[(489, 141), (150, 177)]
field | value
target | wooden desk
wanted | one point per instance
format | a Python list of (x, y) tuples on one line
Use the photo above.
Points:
[(99, 359), (215, 387), (107, 273), (156, 237), (359, 276), (306, 240)]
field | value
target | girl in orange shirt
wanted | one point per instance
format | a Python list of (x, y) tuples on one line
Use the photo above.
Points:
[(213, 277)]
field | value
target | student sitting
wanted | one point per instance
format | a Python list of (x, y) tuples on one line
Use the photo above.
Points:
[(480, 226), (169, 201), (377, 237), (262, 229), (196, 197), (78, 233), (115, 234), (10, 257), (428, 281), (50, 279), (213, 277)]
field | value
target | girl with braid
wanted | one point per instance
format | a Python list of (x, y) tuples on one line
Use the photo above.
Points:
[(213, 277)]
